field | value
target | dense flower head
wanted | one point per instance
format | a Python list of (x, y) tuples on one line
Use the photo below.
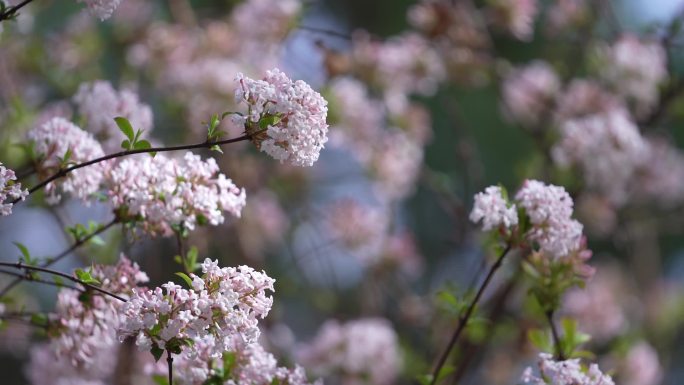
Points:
[(395, 164), (57, 139), (660, 177), (249, 364), (549, 209), (357, 227), (9, 190), (402, 65), (167, 194), (607, 148), (492, 208), (582, 98), (99, 103), (102, 9), (287, 119), (83, 325), (634, 68), (363, 351), (515, 16), (568, 372), (528, 92), (278, 18), (223, 305)]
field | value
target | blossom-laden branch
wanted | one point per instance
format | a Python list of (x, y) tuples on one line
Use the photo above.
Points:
[(23, 266), (463, 320), (63, 172), (79, 242)]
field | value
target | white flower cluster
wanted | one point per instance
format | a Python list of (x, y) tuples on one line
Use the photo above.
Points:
[(492, 208), (568, 372), (166, 194), (83, 326), (548, 207), (287, 119), (607, 148), (515, 16), (249, 365), (359, 228), (102, 9), (55, 139), (528, 92), (223, 305), (635, 69), (99, 103), (9, 190), (363, 351)]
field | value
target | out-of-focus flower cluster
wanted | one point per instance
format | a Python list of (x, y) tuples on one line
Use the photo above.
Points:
[(9, 190), (568, 372)]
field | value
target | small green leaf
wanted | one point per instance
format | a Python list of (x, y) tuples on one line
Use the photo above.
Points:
[(126, 144), (157, 352), (125, 127), (24, 252), (85, 277), (424, 379), (58, 280), (185, 277), (39, 319), (540, 339), (444, 372), (268, 120), (216, 148), (160, 379)]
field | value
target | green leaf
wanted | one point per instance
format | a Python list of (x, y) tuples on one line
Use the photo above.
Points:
[(185, 277), (424, 379), (444, 372), (160, 379), (540, 339), (216, 148), (39, 319), (24, 252), (58, 280), (268, 120), (191, 258), (142, 145), (126, 144), (157, 352), (125, 127), (85, 277)]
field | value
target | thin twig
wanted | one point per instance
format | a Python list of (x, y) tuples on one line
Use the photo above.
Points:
[(463, 320), (169, 361), (64, 172), (556, 337), (22, 266), (28, 277), (64, 253), (11, 11)]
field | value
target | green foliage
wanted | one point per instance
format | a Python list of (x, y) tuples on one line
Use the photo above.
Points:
[(39, 319), (133, 142), (185, 277), (157, 352), (25, 257), (426, 379), (85, 277), (81, 232)]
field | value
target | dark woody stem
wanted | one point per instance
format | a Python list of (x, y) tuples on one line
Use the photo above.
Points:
[(10, 12), (463, 320), (64, 253), (169, 361), (21, 266), (556, 337), (62, 173)]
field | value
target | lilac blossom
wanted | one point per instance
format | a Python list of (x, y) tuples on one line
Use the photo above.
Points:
[(57, 141), (166, 194), (10, 189), (568, 372), (492, 208), (292, 114)]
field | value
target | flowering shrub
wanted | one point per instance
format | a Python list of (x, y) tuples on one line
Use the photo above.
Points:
[(137, 129)]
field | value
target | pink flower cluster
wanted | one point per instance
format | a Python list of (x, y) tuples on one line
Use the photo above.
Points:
[(58, 138), (102, 9), (548, 207), (363, 351), (168, 194), (529, 91), (250, 364), (9, 190), (287, 119), (222, 307), (83, 326), (493, 210), (359, 228), (515, 16), (568, 372), (99, 103)]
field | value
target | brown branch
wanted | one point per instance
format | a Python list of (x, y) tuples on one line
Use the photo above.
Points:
[(62, 173), (556, 337), (463, 320), (64, 253), (10, 12), (22, 266)]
